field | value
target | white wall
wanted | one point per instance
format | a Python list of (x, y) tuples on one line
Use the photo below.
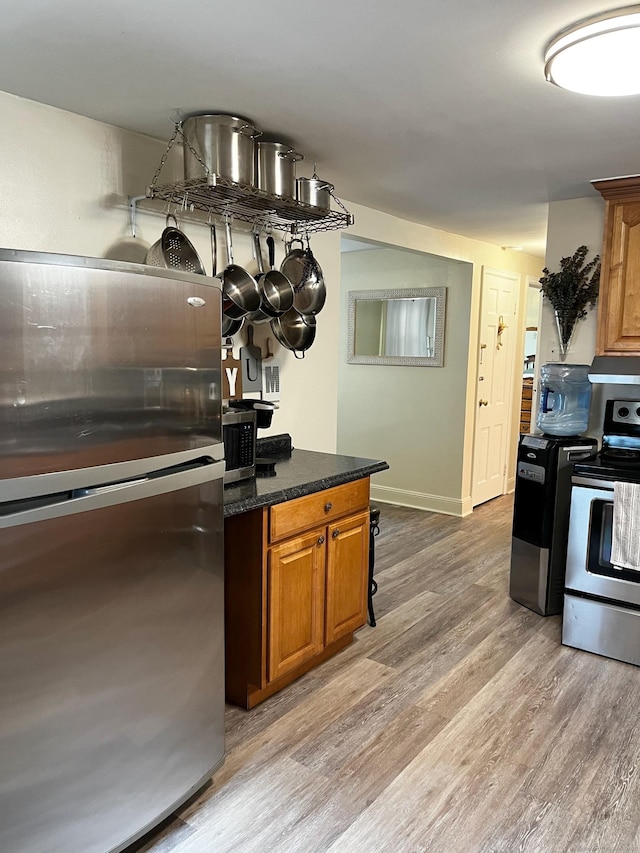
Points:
[(454, 495), (571, 223), (410, 416)]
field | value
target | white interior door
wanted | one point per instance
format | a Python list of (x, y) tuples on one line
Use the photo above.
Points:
[(498, 327)]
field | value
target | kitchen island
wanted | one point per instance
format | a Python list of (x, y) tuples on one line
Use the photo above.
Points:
[(296, 568)]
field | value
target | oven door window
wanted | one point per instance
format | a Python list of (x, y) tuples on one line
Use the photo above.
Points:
[(600, 536)]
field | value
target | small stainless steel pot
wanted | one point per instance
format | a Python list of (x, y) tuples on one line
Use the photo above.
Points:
[(315, 192), (277, 168)]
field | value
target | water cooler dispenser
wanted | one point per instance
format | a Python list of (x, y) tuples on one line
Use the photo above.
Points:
[(565, 397), (543, 487)]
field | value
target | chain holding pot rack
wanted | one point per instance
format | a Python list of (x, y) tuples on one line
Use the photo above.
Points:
[(218, 196)]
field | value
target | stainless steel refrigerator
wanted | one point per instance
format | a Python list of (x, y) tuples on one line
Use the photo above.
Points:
[(111, 576)]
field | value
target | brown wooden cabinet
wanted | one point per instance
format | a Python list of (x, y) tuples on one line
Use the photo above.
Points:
[(347, 574), (295, 596), (526, 404), (619, 300), (295, 587)]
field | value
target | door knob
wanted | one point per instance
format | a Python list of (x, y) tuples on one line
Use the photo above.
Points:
[(483, 402)]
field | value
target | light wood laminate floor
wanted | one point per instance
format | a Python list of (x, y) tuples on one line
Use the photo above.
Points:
[(459, 724)]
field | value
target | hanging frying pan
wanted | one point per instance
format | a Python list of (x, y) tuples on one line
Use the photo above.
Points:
[(295, 331), (276, 291), (240, 294), (305, 274)]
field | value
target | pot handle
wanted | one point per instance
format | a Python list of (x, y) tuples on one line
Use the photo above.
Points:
[(214, 250), (258, 250), (295, 352), (253, 133), (292, 155), (227, 231), (271, 246)]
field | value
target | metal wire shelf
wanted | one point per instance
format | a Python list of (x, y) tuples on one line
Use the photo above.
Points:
[(219, 196)]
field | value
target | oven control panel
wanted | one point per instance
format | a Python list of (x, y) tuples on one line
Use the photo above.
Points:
[(625, 412), (535, 473)]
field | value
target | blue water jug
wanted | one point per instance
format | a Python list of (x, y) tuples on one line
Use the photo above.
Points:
[(565, 396)]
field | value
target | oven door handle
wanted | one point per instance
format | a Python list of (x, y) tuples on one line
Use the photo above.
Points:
[(593, 483)]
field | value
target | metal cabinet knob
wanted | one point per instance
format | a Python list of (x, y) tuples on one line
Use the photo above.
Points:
[(335, 534), (321, 540), (328, 507), (483, 402)]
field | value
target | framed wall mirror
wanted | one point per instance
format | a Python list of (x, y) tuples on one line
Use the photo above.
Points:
[(397, 327)]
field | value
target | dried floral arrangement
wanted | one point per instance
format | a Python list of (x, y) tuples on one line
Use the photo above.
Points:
[(571, 290)]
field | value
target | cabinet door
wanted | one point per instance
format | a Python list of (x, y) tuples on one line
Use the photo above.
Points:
[(296, 602), (619, 309), (347, 575)]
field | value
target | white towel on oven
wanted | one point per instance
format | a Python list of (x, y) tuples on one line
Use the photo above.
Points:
[(625, 540)]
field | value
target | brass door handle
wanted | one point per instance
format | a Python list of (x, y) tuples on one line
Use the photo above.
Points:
[(483, 402)]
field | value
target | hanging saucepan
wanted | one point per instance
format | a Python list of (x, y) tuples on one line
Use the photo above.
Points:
[(240, 294), (231, 327), (304, 273), (295, 331), (174, 251), (276, 291)]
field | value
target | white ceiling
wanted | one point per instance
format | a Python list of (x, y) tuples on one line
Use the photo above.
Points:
[(433, 110)]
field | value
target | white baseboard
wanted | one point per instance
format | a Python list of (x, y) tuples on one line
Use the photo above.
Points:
[(419, 500)]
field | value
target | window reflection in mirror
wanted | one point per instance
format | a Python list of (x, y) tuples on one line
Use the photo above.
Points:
[(403, 327)]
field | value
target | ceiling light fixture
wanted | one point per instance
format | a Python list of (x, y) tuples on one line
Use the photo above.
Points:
[(598, 56)]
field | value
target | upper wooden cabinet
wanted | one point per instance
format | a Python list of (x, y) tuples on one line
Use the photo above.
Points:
[(619, 299)]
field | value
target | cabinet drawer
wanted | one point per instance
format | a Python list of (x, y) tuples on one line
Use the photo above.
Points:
[(291, 517)]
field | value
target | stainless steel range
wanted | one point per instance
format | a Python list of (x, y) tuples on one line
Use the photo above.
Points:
[(602, 598)]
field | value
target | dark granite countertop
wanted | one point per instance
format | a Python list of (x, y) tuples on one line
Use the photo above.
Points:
[(302, 473)]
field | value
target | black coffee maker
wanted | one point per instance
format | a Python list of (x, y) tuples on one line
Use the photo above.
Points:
[(262, 408)]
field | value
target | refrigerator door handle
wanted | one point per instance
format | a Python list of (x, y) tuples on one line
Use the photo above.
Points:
[(60, 505), (20, 488), (100, 490)]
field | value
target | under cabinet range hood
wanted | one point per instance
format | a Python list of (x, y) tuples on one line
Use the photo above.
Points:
[(615, 369)]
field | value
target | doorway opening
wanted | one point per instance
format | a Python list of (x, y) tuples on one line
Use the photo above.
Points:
[(533, 310)]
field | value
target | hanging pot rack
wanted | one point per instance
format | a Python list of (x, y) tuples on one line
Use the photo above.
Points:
[(213, 195)]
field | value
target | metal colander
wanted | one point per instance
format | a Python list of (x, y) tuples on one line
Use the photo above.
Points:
[(174, 251)]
